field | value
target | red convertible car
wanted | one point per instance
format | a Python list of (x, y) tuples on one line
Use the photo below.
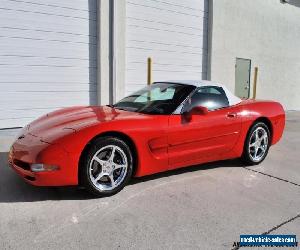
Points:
[(164, 126)]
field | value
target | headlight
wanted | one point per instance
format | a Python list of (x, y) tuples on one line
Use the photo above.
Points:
[(40, 167)]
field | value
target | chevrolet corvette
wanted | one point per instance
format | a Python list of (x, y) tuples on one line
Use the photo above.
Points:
[(164, 126)]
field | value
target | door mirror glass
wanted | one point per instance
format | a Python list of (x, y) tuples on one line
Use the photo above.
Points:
[(199, 110)]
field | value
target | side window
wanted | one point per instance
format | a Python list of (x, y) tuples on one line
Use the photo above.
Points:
[(211, 97)]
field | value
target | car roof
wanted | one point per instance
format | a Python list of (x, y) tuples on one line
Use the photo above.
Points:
[(233, 100), (197, 83)]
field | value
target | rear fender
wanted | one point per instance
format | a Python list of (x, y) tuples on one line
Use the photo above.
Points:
[(253, 111)]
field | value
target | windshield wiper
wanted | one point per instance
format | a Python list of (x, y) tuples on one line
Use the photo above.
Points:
[(122, 108), (130, 109)]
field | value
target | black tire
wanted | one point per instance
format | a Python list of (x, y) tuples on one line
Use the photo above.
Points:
[(247, 157), (85, 167)]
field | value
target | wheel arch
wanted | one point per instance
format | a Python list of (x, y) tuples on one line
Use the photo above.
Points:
[(120, 135), (266, 121)]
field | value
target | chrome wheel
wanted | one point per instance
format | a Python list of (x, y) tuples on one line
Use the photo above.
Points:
[(108, 168), (258, 144)]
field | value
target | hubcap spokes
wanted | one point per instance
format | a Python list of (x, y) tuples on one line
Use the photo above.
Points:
[(108, 167), (258, 144)]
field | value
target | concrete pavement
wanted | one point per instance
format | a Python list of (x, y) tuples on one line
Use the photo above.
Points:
[(202, 207)]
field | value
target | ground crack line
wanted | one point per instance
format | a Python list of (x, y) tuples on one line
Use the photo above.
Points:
[(274, 228), (272, 176), (280, 225)]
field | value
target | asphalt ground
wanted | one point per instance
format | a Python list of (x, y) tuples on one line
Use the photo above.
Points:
[(201, 207)]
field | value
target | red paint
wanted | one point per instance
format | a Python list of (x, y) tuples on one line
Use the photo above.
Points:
[(162, 142)]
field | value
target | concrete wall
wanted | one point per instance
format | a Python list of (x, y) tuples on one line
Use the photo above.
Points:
[(106, 61), (103, 52), (268, 33)]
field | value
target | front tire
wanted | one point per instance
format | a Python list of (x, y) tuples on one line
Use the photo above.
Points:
[(257, 144), (107, 166)]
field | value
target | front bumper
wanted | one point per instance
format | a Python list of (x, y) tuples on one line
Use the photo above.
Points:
[(29, 149)]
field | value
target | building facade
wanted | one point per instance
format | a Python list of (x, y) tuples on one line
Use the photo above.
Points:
[(265, 32), (55, 54)]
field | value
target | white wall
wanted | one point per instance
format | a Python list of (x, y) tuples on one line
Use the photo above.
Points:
[(268, 33), (103, 77)]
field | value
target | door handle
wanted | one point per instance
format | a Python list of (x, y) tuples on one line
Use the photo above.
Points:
[(232, 115)]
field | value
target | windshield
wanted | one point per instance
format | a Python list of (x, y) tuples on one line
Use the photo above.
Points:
[(158, 98)]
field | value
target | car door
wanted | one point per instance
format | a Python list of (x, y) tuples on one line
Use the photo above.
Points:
[(203, 136)]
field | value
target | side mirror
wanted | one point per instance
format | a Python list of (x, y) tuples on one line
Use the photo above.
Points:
[(198, 110)]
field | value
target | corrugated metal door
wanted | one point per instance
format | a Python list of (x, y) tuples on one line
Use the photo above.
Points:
[(173, 33), (47, 57)]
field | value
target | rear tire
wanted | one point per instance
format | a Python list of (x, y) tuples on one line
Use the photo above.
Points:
[(106, 166), (257, 144)]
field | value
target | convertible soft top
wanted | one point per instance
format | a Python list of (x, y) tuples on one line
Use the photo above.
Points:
[(232, 99)]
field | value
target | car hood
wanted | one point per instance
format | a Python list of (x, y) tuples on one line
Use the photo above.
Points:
[(69, 120)]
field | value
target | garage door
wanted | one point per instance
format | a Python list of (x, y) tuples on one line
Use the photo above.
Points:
[(47, 57), (173, 33)]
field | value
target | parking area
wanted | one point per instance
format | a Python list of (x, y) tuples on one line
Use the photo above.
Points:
[(201, 207)]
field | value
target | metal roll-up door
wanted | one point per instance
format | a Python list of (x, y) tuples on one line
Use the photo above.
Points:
[(174, 33), (47, 57)]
